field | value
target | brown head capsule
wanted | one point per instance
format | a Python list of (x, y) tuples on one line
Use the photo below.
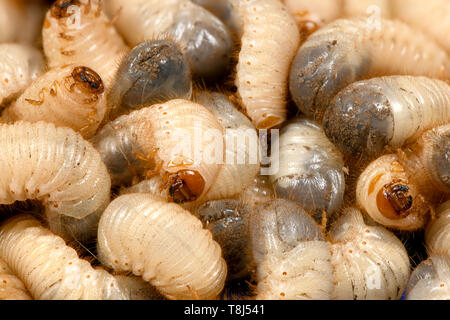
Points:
[(394, 200), (60, 9), (186, 185), (88, 79)]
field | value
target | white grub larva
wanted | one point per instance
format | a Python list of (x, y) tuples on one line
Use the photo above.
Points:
[(310, 169), (78, 32), (19, 66), (70, 96), (11, 287), (49, 268), (437, 232), (206, 41), (179, 140), (369, 262), (398, 190), (369, 115), (153, 72), (269, 42), (164, 244), (291, 254), (432, 17), (349, 50), (55, 166)]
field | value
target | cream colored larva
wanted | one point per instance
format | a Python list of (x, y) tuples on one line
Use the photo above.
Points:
[(437, 232), (11, 287), (164, 244), (349, 50), (58, 167), (269, 41), (399, 190), (291, 254), (370, 115), (49, 268), (375, 9), (78, 32), (70, 96), (19, 66)]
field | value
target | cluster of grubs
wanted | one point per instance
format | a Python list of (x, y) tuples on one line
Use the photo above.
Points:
[(325, 173)]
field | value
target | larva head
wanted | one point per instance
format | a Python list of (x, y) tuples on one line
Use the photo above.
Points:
[(87, 80), (359, 120), (154, 71), (60, 8), (394, 200), (185, 186)]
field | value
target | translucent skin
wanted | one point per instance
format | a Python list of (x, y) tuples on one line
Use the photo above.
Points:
[(349, 50), (11, 287), (310, 169), (437, 235), (153, 72), (164, 244)]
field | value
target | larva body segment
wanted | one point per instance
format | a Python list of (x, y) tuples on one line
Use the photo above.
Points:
[(291, 254), (153, 185), (310, 168), (205, 39), (11, 287), (165, 139), (369, 262), (437, 232), (349, 50), (269, 42), (78, 32), (153, 72), (53, 165), (164, 244), (376, 8), (70, 96), (391, 111), (19, 66), (258, 192), (49, 268)]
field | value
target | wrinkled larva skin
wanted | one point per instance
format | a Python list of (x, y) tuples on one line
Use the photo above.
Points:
[(227, 220), (53, 165), (164, 244), (49, 268), (205, 39), (437, 235), (70, 96), (137, 289), (19, 66), (391, 111), (153, 185), (161, 140), (78, 32), (236, 173), (369, 262), (432, 17), (270, 39), (430, 280), (349, 50), (398, 190), (11, 287), (153, 72), (310, 169), (291, 254), (258, 192)]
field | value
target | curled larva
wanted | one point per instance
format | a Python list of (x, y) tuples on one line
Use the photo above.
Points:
[(56, 166), (437, 232), (19, 66), (369, 262), (205, 39), (269, 41), (49, 268), (310, 169), (11, 287), (398, 190), (164, 244), (432, 17), (391, 111), (291, 254), (70, 96), (78, 32), (153, 72), (349, 50), (179, 140)]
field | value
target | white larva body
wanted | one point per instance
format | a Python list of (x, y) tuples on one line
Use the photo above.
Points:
[(371, 8), (19, 66), (49, 268), (369, 262), (82, 34), (270, 39), (11, 287), (437, 232), (164, 244), (60, 97)]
